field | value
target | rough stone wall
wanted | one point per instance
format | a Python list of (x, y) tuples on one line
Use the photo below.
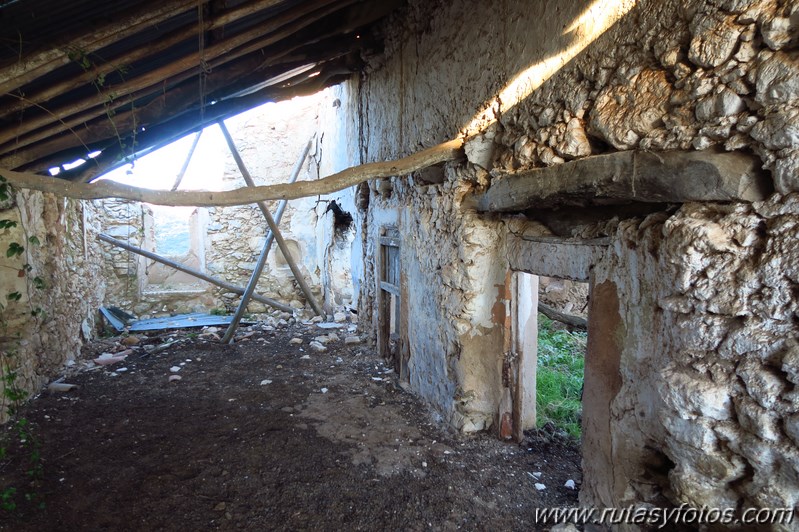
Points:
[(60, 292), (705, 412), (123, 220), (701, 300)]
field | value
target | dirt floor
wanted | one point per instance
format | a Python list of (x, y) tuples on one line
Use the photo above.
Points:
[(268, 435)]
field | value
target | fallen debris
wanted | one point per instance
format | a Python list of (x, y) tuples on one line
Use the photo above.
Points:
[(61, 387)]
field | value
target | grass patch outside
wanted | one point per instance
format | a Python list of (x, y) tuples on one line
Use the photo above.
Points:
[(561, 363)]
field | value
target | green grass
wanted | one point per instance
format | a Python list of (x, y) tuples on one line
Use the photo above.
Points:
[(561, 362)]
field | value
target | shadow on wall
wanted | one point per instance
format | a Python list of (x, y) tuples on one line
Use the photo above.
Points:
[(588, 22)]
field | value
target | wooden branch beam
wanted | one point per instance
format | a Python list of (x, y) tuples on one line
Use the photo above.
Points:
[(273, 228), (574, 322), (191, 271), (259, 266), (445, 152), (631, 176), (232, 48), (32, 67)]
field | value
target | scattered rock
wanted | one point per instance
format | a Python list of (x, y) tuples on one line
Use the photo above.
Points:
[(295, 341), (777, 32), (220, 507), (317, 319), (265, 382), (318, 347), (130, 340), (570, 484), (540, 487), (175, 369), (106, 359), (322, 339), (323, 390), (624, 113), (173, 378), (352, 340), (339, 317)]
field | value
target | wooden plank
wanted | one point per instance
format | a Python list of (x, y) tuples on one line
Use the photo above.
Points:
[(566, 259), (187, 161), (259, 266), (189, 122), (390, 288), (153, 48), (631, 176), (29, 68)]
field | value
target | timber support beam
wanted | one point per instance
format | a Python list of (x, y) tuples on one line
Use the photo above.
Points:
[(631, 176)]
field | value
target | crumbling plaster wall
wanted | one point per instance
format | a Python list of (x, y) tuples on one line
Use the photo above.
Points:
[(60, 291), (668, 74)]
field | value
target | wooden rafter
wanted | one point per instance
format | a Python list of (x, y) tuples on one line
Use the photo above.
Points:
[(29, 68), (82, 131), (277, 28)]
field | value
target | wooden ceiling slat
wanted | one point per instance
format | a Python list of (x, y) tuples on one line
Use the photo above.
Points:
[(84, 136), (137, 54), (218, 54), (168, 132), (29, 68)]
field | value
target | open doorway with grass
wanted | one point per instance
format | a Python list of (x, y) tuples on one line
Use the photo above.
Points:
[(549, 346), (560, 364)]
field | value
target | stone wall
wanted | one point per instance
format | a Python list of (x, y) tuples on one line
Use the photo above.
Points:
[(51, 291), (123, 220), (693, 368), (699, 325)]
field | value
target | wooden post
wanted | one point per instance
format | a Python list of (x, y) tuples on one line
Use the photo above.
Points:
[(185, 166), (259, 266), (306, 290), (192, 271)]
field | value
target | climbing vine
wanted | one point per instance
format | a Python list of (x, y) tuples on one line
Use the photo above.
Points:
[(18, 442)]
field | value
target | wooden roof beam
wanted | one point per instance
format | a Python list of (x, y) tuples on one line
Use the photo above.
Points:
[(163, 43), (447, 151), (283, 26), (87, 129), (29, 68)]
